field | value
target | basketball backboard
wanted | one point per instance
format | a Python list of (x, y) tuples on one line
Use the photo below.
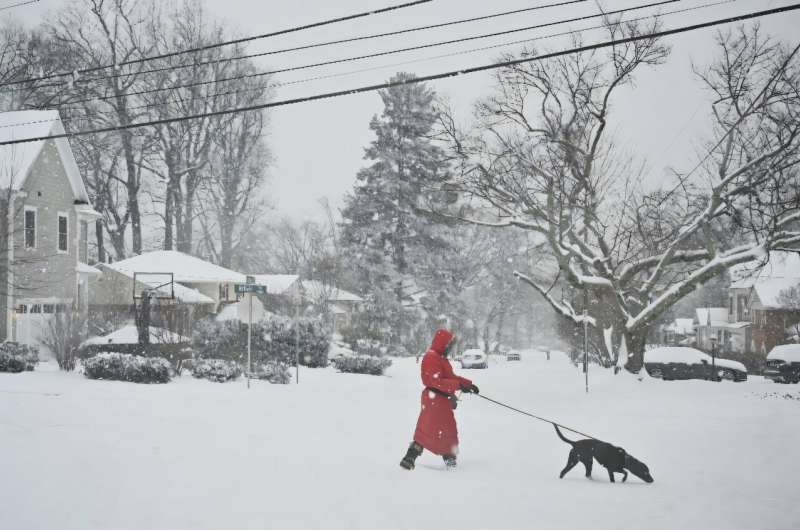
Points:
[(160, 285)]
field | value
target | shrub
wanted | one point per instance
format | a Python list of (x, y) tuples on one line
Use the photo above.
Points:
[(273, 341), (130, 368), (217, 370), (362, 365), (17, 358), (275, 373), (63, 336)]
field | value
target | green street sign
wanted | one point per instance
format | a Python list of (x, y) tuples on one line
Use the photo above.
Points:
[(249, 288)]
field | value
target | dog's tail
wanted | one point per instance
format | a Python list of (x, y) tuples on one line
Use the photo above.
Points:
[(558, 432)]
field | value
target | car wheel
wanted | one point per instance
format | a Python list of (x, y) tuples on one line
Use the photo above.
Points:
[(727, 375), (655, 372)]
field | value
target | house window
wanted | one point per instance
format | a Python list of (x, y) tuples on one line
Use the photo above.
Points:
[(84, 242), (223, 291), (22, 309), (30, 228), (36, 308), (730, 303), (63, 233)]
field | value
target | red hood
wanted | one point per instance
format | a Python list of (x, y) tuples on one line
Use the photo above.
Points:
[(440, 340)]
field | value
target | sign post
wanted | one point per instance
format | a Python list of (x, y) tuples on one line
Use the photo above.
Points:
[(250, 289)]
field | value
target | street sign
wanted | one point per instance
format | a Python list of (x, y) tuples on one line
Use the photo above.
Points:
[(245, 288)]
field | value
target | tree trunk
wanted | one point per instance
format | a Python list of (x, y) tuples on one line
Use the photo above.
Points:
[(635, 341)]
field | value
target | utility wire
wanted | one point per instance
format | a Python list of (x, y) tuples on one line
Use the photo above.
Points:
[(422, 79), (371, 55), (331, 42), (220, 44), (19, 4), (392, 65)]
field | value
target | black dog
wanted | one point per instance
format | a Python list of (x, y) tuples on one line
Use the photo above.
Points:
[(613, 458)]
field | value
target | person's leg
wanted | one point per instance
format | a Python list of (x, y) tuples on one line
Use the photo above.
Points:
[(414, 450), (449, 461)]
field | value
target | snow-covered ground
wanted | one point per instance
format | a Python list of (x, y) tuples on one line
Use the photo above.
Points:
[(80, 454)]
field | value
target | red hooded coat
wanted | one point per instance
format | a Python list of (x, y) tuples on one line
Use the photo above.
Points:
[(436, 426)]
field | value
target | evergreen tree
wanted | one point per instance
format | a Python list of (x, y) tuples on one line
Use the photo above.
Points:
[(384, 233)]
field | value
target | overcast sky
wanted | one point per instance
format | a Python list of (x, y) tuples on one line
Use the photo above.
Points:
[(318, 147)]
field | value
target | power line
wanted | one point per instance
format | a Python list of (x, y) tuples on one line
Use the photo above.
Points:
[(331, 42), (19, 4), (221, 44), (423, 79), (404, 63), (373, 55)]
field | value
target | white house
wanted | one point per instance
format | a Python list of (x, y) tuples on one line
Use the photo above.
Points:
[(46, 212)]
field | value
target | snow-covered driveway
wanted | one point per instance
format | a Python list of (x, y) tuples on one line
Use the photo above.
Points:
[(80, 454)]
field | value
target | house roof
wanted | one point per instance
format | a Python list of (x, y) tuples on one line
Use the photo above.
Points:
[(276, 283), (684, 326), (318, 290), (130, 335), (183, 294), (185, 268), (780, 273), (17, 160), (718, 316)]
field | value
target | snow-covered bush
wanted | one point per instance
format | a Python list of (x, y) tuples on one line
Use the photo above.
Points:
[(217, 370), (362, 365), (275, 373), (273, 341), (17, 358), (126, 367)]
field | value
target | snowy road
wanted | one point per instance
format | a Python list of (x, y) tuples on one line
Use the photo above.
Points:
[(80, 454)]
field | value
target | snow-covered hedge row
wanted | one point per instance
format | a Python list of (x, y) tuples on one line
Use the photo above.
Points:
[(125, 367), (217, 370), (275, 373), (273, 341), (362, 365), (17, 358)]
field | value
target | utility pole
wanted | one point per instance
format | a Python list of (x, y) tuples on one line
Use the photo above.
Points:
[(586, 348), (249, 338), (297, 341)]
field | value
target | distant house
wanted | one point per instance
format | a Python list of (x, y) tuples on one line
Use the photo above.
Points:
[(756, 298), (714, 330), (339, 304), (679, 332), (283, 291), (45, 224), (200, 288)]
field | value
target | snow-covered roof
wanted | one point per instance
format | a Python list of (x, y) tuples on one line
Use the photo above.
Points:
[(83, 268), (316, 290), (17, 160), (276, 283), (719, 316), (789, 353), (682, 326), (183, 294), (130, 335), (781, 272), (185, 268)]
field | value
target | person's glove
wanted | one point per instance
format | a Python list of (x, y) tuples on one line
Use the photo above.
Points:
[(470, 389), (453, 402)]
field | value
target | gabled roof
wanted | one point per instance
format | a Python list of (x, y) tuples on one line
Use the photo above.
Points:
[(185, 268), (318, 290), (276, 283), (780, 273), (17, 160), (718, 316)]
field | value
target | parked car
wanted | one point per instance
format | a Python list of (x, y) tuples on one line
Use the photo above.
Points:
[(513, 356), (474, 359), (678, 362), (783, 364)]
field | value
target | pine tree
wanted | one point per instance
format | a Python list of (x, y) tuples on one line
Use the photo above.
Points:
[(384, 232)]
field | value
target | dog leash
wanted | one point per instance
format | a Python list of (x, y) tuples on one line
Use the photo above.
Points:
[(537, 417)]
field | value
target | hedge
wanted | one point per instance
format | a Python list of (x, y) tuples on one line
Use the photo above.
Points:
[(131, 368)]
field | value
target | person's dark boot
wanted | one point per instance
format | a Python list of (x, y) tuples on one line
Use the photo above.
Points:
[(414, 450), (450, 461)]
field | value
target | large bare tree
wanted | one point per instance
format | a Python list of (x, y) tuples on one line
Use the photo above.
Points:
[(541, 157)]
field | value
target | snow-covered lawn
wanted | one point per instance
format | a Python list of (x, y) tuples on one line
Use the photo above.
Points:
[(80, 454)]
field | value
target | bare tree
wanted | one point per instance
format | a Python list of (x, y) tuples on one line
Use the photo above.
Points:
[(543, 161)]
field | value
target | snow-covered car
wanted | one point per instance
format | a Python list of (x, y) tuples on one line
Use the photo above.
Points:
[(783, 364), (678, 362), (513, 356), (474, 359)]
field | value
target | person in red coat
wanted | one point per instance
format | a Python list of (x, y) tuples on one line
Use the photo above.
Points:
[(436, 427)]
